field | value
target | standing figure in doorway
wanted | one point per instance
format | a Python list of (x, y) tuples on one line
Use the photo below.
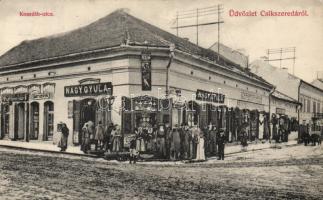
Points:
[(63, 141), (99, 136), (116, 146), (176, 143), (200, 152), (261, 126), (160, 141), (107, 137), (274, 122), (221, 143), (85, 145), (213, 147)]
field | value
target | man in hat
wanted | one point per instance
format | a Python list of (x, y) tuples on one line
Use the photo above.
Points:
[(221, 142)]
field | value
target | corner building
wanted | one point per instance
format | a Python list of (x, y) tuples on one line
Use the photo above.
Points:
[(123, 70)]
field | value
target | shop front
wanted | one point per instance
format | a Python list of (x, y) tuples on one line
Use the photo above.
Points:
[(27, 112), (90, 101)]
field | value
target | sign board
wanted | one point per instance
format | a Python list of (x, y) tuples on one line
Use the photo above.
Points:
[(14, 97), (250, 106), (280, 111), (146, 71), (88, 89), (39, 96), (248, 96), (209, 96)]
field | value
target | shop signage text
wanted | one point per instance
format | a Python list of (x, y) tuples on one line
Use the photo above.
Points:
[(39, 96), (248, 96), (280, 111), (209, 96), (88, 89), (15, 97)]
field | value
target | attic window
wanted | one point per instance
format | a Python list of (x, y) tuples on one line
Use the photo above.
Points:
[(224, 82), (89, 69), (236, 85), (34, 75), (209, 77), (247, 88), (192, 72), (256, 91), (7, 79), (21, 77)]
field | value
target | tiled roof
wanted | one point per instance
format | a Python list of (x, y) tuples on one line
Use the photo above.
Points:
[(283, 96), (112, 30), (109, 31), (231, 54)]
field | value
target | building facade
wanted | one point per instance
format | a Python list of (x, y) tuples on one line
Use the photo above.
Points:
[(123, 70), (309, 96)]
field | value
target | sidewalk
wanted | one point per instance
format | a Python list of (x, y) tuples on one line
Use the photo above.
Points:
[(42, 146), (75, 150)]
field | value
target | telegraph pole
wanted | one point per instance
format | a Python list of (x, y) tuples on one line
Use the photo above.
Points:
[(282, 53), (202, 17)]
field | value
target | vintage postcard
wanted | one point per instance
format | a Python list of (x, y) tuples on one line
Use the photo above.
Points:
[(161, 99)]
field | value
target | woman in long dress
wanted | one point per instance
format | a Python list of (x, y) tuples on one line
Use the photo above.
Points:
[(63, 141), (200, 153)]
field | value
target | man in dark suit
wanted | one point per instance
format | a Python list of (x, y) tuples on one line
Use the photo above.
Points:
[(221, 143)]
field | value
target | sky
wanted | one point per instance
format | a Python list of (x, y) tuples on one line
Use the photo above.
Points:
[(251, 34)]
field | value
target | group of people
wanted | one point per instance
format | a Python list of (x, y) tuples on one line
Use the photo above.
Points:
[(180, 142), (104, 138)]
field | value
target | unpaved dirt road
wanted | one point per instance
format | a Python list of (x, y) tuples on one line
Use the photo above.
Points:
[(29, 175)]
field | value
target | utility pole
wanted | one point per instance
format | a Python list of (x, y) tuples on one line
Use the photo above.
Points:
[(282, 52), (197, 26), (202, 17), (218, 32)]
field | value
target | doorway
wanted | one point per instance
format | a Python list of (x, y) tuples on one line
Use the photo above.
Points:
[(20, 121), (48, 120), (34, 121), (5, 121)]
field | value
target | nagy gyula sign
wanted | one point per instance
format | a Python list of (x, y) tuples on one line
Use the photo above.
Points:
[(94, 89)]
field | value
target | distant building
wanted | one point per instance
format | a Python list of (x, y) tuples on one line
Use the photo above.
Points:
[(234, 56), (318, 83), (309, 95)]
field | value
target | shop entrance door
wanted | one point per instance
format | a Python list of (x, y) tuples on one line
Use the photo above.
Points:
[(88, 111), (34, 121), (5, 122), (48, 120), (20, 121)]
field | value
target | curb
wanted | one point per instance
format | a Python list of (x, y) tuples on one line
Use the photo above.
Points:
[(47, 151), (141, 160)]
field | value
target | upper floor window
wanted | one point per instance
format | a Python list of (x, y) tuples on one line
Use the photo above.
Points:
[(308, 106)]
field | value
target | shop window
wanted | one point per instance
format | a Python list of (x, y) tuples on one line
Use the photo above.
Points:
[(48, 120), (308, 105)]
